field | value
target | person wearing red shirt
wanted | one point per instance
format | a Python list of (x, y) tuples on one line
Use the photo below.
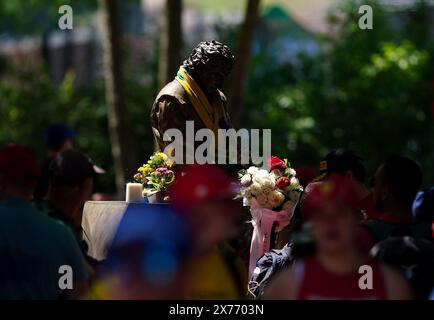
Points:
[(336, 270)]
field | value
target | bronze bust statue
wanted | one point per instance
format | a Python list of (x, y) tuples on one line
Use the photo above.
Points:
[(194, 95)]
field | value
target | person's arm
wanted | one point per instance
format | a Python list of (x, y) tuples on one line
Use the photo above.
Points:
[(283, 286), (397, 287)]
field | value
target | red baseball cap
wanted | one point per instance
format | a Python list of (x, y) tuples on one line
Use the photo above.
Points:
[(199, 184), (18, 163), (335, 190)]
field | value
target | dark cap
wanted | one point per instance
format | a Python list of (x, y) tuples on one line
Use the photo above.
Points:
[(340, 161), (57, 134), (18, 163), (71, 167)]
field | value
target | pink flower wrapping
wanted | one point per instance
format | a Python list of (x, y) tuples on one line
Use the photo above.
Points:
[(262, 221)]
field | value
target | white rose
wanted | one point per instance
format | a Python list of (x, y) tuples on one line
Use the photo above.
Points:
[(292, 172), (257, 178), (276, 198), (294, 180), (246, 193), (255, 188), (266, 190), (262, 173), (252, 170), (261, 199), (246, 179), (269, 183)]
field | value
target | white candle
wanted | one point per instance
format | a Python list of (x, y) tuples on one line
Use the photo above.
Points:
[(134, 192)]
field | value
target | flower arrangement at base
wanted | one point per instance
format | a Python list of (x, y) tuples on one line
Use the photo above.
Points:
[(156, 176), (272, 196)]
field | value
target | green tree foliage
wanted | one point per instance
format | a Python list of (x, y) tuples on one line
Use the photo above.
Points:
[(368, 90), (31, 17), (36, 16), (31, 103)]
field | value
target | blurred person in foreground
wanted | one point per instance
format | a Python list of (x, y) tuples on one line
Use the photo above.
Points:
[(33, 247), (204, 195), (58, 137), (71, 178), (332, 272), (343, 162), (147, 258)]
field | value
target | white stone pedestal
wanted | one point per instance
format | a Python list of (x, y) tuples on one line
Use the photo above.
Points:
[(100, 222)]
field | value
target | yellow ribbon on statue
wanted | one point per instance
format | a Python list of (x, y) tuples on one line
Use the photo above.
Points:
[(209, 114)]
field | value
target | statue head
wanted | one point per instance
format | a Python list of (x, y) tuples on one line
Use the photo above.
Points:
[(209, 64)]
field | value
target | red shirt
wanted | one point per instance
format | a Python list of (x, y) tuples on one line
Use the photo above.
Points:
[(318, 283)]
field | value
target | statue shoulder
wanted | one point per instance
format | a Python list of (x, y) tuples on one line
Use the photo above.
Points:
[(172, 90)]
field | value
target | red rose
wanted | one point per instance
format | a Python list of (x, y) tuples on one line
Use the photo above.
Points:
[(282, 183), (276, 163)]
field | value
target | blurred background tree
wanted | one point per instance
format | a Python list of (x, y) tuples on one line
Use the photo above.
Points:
[(122, 139), (370, 91), (241, 68), (171, 42), (27, 17)]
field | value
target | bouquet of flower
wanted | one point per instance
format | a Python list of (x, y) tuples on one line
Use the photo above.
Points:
[(157, 174), (272, 196), (275, 189)]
